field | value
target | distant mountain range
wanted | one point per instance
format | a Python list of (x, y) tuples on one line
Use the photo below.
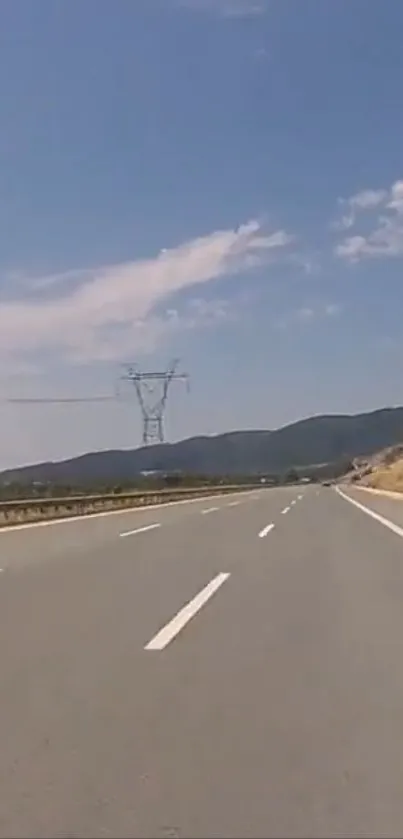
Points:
[(317, 440)]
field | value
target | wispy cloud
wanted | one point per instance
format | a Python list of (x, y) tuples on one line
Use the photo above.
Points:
[(117, 309), (261, 54), (308, 314), (332, 309), (242, 8), (367, 199), (385, 239), (309, 261), (228, 8)]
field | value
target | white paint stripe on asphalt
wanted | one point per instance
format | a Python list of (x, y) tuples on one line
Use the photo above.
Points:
[(234, 504), (140, 530), (293, 502), (209, 510), (88, 516), (172, 629), (265, 531), (286, 510), (382, 520), (300, 498)]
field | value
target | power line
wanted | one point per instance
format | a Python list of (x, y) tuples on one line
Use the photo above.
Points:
[(152, 393), (57, 400)]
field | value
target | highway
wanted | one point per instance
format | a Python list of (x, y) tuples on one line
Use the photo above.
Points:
[(229, 667)]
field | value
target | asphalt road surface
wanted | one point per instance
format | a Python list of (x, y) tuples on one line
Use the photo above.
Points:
[(230, 667)]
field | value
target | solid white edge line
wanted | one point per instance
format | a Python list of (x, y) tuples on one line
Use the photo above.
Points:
[(265, 531), (172, 629), (386, 522), (286, 510), (140, 530), (89, 516)]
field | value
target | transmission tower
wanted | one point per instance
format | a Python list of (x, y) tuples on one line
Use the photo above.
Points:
[(152, 394)]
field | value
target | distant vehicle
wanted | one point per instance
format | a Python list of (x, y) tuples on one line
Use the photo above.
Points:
[(327, 483)]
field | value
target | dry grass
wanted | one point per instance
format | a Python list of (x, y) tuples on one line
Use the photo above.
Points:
[(389, 477)]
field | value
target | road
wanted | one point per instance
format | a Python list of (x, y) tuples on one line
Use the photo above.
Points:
[(230, 667)]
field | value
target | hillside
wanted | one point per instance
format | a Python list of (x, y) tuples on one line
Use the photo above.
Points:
[(383, 470), (317, 440)]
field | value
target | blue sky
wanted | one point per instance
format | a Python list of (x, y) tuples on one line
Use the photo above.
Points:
[(216, 179)]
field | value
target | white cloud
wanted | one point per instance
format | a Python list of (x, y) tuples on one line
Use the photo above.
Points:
[(367, 199), (115, 309), (279, 239), (352, 248), (396, 197), (386, 237)]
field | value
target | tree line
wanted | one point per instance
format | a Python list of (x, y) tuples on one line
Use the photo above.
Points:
[(17, 490)]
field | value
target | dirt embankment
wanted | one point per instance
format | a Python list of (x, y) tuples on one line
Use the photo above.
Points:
[(381, 471)]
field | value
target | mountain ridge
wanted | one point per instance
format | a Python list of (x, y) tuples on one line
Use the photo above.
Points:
[(319, 439)]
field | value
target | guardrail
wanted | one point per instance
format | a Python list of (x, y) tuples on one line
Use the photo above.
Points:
[(40, 509)]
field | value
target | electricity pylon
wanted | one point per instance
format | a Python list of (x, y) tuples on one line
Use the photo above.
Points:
[(152, 394)]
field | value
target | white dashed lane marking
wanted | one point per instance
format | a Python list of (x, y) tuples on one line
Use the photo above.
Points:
[(140, 530), (172, 629)]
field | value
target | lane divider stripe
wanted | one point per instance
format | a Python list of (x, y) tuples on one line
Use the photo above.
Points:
[(140, 530), (175, 626), (265, 531)]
